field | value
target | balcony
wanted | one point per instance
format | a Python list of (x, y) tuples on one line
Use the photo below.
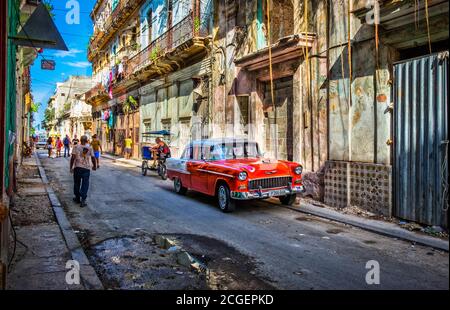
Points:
[(117, 19), (185, 42), (96, 95)]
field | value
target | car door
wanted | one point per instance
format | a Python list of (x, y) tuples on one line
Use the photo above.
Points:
[(182, 165), (197, 169)]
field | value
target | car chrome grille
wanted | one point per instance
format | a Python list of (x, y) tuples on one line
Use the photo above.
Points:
[(269, 183)]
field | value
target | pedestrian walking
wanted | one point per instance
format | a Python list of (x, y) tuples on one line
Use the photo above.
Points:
[(97, 147), (128, 145), (81, 163), (50, 146), (59, 146), (66, 143), (75, 141)]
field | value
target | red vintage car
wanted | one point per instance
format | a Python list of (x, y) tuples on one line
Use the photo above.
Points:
[(234, 169)]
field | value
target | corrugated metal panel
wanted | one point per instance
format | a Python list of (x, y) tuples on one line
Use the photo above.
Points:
[(420, 135)]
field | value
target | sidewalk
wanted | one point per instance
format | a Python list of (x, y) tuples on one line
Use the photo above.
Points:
[(377, 226), (44, 238), (131, 162), (41, 253)]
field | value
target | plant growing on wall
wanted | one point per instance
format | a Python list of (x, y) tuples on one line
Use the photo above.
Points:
[(154, 54), (197, 25), (129, 105)]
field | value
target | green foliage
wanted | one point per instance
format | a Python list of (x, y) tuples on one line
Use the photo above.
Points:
[(49, 7), (197, 25), (154, 54), (129, 105), (35, 107), (49, 117)]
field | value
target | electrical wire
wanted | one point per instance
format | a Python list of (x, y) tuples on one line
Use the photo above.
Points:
[(428, 25)]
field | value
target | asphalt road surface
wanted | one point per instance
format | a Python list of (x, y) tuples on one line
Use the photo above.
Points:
[(290, 250)]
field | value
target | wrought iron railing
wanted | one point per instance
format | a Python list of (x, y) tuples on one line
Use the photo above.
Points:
[(97, 90), (113, 22), (188, 28)]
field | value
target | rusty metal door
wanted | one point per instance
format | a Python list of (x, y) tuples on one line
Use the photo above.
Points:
[(280, 139), (421, 139)]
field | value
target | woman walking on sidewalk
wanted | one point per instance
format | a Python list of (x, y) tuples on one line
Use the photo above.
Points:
[(50, 146)]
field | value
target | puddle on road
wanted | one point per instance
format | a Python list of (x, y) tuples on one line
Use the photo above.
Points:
[(136, 262), (228, 268)]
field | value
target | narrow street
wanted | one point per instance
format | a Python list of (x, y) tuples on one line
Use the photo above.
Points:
[(260, 245)]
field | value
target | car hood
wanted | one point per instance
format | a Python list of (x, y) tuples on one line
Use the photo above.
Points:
[(257, 165)]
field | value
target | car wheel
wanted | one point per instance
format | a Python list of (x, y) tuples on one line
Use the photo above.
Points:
[(178, 186), (144, 168), (288, 200), (226, 204)]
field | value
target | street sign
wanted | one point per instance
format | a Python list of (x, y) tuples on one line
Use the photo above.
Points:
[(48, 64)]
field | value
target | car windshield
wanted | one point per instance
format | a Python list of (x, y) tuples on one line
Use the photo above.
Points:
[(234, 151)]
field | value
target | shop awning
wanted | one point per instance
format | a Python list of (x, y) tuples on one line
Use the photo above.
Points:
[(40, 31)]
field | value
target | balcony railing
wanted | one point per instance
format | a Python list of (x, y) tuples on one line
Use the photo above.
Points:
[(96, 91), (114, 22), (187, 29)]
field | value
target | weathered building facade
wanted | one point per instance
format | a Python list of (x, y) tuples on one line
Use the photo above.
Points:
[(311, 81), (156, 56), (320, 90), (72, 115), (16, 113)]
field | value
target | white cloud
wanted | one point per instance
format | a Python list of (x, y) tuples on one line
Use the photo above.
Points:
[(70, 53), (78, 64)]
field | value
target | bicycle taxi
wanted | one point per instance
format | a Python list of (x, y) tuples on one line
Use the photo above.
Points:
[(147, 155)]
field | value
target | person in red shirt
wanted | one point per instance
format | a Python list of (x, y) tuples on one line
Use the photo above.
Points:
[(59, 146)]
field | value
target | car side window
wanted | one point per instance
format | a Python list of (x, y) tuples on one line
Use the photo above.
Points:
[(217, 152), (187, 154), (197, 152)]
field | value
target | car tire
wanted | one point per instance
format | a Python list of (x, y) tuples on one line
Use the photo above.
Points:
[(226, 204), (178, 187), (288, 200), (144, 168)]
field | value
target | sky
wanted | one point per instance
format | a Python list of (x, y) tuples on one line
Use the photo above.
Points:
[(72, 62)]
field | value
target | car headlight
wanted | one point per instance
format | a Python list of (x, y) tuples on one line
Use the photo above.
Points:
[(242, 176), (298, 170)]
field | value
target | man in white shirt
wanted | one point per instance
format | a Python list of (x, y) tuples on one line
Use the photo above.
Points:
[(81, 163)]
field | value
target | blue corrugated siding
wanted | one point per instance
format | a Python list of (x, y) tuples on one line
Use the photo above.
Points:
[(420, 132)]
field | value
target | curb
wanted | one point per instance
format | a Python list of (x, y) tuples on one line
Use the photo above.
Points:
[(87, 272), (379, 227)]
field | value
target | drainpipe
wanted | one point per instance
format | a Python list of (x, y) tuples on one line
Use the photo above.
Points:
[(328, 76)]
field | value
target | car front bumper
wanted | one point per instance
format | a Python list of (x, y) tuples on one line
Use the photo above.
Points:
[(261, 194)]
